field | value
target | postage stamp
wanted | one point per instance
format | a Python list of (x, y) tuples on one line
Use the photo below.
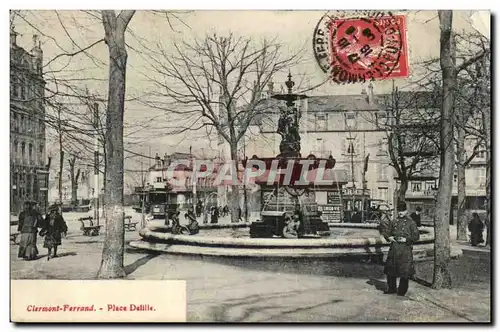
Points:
[(365, 47)]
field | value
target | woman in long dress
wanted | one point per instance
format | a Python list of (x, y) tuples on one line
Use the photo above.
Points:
[(476, 228), (29, 221), (53, 228)]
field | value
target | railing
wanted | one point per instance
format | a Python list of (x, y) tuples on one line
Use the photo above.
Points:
[(350, 191), (321, 153)]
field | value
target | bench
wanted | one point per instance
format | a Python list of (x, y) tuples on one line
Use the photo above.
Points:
[(88, 227), (129, 225), (13, 237)]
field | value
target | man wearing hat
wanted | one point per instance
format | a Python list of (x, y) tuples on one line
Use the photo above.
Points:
[(401, 232)]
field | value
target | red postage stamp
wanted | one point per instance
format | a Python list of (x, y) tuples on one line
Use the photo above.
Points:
[(363, 49)]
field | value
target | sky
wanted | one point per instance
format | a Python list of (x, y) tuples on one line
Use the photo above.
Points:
[(69, 31)]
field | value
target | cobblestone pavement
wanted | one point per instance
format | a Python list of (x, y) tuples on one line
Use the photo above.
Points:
[(253, 290)]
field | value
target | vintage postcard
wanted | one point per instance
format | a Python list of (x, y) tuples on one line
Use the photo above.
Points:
[(250, 166)]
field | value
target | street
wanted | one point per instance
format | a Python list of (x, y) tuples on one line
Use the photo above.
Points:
[(243, 290)]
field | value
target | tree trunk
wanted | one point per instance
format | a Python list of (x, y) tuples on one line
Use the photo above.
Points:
[(486, 117), (461, 184), (235, 202), (114, 240), (61, 153), (61, 165), (403, 188), (442, 277)]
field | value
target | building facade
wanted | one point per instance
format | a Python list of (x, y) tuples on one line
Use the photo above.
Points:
[(29, 168), (351, 129)]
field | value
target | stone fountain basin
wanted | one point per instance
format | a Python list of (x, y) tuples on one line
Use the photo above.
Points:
[(156, 239)]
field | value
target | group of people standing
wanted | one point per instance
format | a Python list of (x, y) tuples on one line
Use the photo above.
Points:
[(52, 227)]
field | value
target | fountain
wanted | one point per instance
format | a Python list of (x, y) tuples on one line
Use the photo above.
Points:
[(273, 222), (264, 238)]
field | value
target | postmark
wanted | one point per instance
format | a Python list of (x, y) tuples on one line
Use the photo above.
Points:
[(361, 46)]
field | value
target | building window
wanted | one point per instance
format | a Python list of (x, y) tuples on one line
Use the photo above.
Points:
[(40, 154), (318, 146), (30, 153), (159, 179), (381, 119), (481, 154), (23, 91), (382, 172), (350, 120), (351, 146), (481, 176), (23, 151), (383, 147), (21, 125), (321, 122), (15, 126), (416, 186), (429, 188), (15, 88), (383, 194)]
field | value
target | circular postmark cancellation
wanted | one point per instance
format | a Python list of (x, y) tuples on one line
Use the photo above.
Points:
[(357, 46)]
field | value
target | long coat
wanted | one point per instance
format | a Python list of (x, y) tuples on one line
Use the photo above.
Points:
[(28, 227), (53, 230), (476, 228), (400, 257)]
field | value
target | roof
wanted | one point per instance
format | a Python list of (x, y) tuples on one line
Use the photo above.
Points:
[(359, 102)]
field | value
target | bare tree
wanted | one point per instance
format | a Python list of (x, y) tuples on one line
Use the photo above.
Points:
[(112, 255), (218, 82), (74, 178), (411, 134), (442, 276), (469, 48)]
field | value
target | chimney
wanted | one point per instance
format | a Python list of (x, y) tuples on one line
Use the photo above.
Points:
[(270, 87), (370, 93), (157, 160), (13, 37), (37, 53)]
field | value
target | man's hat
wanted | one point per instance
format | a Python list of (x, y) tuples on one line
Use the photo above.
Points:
[(401, 206)]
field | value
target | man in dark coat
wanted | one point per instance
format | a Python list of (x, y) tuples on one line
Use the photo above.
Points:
[(476, 228), (401, 232), (416, 216), (214, 215)]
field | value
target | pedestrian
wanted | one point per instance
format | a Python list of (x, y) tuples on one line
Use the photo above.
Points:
[(193, 226), (488, 231), (198, 209), (298, 217), (416, 216), (401, 232), (29, 222), (476, 228), (176, 226), (214, 215), (53, 228)]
